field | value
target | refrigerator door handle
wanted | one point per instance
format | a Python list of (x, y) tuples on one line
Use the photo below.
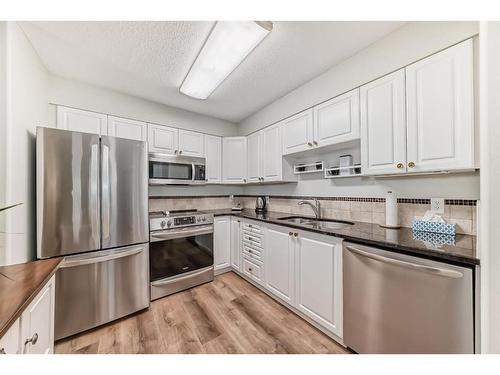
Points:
[(193, 172), (94, 193), (67, 263), (105, 192), (434, 270)]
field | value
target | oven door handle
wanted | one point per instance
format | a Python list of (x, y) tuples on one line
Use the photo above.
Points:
[(176, 279), (186, 232)]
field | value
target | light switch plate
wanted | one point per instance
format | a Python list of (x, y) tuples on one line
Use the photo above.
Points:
[(437, 205)]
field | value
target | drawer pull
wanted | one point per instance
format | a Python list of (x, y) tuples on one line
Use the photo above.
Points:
[(250, 269), (32, 340), (296, 234)]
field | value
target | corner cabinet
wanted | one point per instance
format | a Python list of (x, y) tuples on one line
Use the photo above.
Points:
[(222, 242), (213, 156), (440, 102), (81, 121), (383, 125), (318, 274), (33, 332), (234, 160), (128, 129)]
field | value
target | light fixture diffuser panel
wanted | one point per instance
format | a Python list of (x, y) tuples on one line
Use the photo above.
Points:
[(227, 46)]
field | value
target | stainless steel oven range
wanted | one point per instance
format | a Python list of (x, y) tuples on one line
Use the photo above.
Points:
[(181, 251)]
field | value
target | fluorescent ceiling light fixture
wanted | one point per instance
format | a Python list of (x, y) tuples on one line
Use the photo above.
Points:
[(227, 46)]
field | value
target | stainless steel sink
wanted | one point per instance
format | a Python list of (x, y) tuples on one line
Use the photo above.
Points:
[(316, 223)]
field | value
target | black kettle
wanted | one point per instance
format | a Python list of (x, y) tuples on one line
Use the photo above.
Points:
[(260, 204)]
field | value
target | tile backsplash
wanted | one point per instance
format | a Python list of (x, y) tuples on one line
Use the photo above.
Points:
[(370, 210)]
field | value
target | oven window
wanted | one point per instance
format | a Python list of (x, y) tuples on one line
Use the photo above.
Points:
[(172, 171), (174, 257)]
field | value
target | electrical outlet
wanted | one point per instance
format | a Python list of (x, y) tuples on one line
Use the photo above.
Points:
[(437, 205)]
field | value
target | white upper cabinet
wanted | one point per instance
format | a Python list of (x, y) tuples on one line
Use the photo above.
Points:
[(126, 128), (318, 267), (280, 263), (383, 125), (81, 121), (222, 242), (440, 105), (191, 143), (298, 132), (234, 160), (272, 159), (213, 156), (255, 157), (337, 120), (163, 139)]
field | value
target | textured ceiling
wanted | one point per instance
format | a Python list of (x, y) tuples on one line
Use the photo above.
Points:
[(151, 59)]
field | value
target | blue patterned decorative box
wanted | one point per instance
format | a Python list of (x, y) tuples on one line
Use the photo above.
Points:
[(437, 240), (428, 226)]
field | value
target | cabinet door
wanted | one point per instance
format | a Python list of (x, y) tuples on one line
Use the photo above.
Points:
[(191, 143), (319, 281), (222, 242), (337, 120), (81, 121), (37, 322), (213, 156), (439, 94), (162, 139), (126, 128), (234, 160), (280, 263), (383, 125), (235, 244), (254, 159), (272, 158), (9, 342), (297, 132)]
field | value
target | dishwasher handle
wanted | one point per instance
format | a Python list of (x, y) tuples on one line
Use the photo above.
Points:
[(401, 263)]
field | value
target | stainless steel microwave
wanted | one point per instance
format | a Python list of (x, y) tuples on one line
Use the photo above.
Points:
[(176, 170)]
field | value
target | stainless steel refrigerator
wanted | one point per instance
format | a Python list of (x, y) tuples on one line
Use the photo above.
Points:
[(92, 209)]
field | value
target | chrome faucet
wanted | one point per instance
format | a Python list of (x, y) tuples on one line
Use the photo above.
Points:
[(316, 207)]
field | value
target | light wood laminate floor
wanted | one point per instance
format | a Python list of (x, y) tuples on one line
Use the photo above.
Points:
[(228, 315)]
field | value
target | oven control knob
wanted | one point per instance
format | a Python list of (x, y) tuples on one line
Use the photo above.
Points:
[(198, 219), (204, 218), (169, 223), (163, 223)]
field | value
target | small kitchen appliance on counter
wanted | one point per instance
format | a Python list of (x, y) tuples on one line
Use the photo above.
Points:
[(260, 204)]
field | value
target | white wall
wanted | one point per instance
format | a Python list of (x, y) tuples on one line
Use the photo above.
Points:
[(26, 108), (84, 96), (489, 236), (409, 43), (3, 132)]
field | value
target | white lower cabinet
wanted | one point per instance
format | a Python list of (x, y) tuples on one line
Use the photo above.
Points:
[(318, 274), (33, 332), (280, 263), (302, 269), (222, 242), (235, 244)]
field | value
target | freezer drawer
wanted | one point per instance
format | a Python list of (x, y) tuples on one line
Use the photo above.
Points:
[(395, 303), (98, 287)]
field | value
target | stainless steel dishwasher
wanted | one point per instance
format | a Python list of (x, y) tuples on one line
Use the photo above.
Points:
[(395, 303)]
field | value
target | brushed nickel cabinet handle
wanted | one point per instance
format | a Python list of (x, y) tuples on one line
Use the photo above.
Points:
[(295, 234), (2, 351), (411, 164), (290, 233), (400, 166), (309, 144), (175, 152), (315, 143), (180, 152)]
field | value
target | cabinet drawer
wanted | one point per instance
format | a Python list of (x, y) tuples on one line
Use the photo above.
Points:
[(252, 228), (252, 270), (252, 253), (252, 239)]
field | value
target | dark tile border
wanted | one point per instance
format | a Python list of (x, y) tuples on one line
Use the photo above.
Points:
[(450, 202)]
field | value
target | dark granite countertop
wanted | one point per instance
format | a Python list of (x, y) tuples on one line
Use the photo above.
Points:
[(402, 240), (19, 284)]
